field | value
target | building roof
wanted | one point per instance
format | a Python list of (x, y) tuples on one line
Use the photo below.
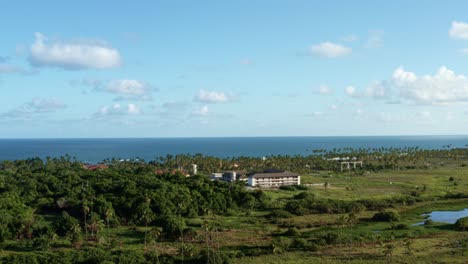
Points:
[(95, 166), (274, 174), (236, 171)]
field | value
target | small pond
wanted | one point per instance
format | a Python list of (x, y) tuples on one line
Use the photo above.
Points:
[(449, 217)]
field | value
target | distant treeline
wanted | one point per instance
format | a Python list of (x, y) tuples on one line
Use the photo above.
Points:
[(320, 159)]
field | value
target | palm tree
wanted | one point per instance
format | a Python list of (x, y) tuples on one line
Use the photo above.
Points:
[(146, 217), (325, 185), (75, 231), (96, 224), (154, 235), (85, 210), (109, 214), (409, 246), (352, 219), (342, 221), (388, 252)]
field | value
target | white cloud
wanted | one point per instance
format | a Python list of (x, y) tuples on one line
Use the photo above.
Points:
[(170, 109), (330, 50), (174, 105), (459, 30), (441, 88), (350, 38), (202, 111), (351, 90), (73, 55), (375, 90), (119, 110), (204, 96), (375, 39), (464, 51), (43, 105), (36, 107), (125, 89), (9, 68), (129, 89), (6, 67), (407, 117), (403, 76), (246, 61), (132, 109), (324, 90)]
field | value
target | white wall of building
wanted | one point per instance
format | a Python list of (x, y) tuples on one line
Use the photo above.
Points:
[(251, 181), (273, 181)]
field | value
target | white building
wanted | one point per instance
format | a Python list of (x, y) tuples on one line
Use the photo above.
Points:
[(229, 176), (216, 176), (273, 178)]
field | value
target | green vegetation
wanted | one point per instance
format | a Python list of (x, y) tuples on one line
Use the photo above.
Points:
[(387, 216), (462, 224), (57, 211)]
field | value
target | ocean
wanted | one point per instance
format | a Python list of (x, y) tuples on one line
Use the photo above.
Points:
[(95, 150)]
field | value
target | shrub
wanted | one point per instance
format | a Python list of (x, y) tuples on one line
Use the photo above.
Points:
[(462, 224), (356, 207), (301, 187), (194, 222), (280, 214), (190, 233), (400, 227), (311, 246), (299, 243), (428, 222), (130, 256), (295, 207), (280, 244), (287, 188), (292, 231), (410, 200), (304, 195), (331, 238), (386, 216), (64, 223), (172, 227)]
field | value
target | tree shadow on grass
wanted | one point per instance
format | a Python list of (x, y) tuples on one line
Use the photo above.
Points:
[(130, 236), (445, 227), (359, 256), (250, 250)]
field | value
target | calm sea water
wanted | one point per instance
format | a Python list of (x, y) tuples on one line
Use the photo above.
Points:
[(95, 150)]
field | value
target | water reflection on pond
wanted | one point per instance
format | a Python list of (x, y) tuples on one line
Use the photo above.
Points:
[(449, 217)]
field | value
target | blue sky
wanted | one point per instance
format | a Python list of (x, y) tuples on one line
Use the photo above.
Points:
[(233, 68)]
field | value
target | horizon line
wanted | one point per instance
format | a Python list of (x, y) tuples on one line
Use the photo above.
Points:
[(220, 137)]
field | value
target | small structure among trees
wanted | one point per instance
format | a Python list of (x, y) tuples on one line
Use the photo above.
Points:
[(347, 164)]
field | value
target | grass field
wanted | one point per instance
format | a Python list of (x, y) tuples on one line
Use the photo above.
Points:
[(430, 244)]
